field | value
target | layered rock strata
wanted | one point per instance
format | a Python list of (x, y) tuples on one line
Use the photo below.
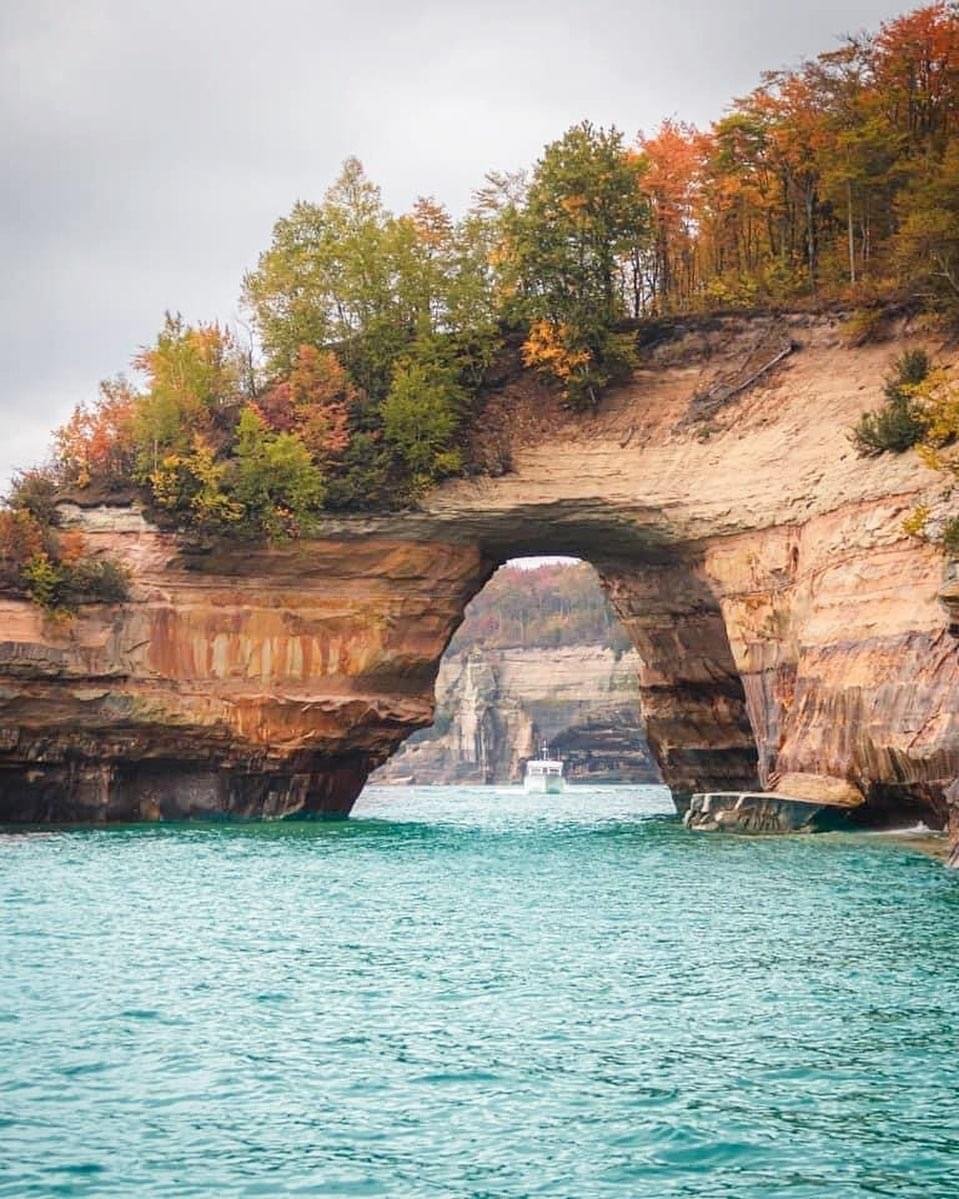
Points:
[(783, 619)]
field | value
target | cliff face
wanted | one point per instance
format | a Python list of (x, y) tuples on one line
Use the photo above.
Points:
[(496, 706), (783, 620)]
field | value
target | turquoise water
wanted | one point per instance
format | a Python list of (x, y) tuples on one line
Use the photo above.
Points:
[(472, 993)]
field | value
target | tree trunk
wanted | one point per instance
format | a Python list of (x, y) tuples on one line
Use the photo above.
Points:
[(852, 234), (811, 234)]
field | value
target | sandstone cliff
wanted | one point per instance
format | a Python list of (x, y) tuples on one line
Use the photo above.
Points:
[(783, 620), (494, 707)]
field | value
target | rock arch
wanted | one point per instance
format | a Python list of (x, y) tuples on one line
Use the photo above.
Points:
[(785, 620)]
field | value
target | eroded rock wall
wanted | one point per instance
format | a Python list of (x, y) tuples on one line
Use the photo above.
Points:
[(237, 683), (784, 620)]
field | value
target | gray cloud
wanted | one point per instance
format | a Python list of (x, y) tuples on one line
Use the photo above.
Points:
[(147, 148)]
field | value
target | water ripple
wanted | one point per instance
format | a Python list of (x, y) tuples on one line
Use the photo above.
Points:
[(472, 993)]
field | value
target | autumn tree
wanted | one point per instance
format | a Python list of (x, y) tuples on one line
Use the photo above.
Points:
[(315, 401), (98, 442), (926, 247), (192, 372), (673, 159)]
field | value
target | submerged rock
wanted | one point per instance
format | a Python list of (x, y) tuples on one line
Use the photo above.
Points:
[(760, 813)]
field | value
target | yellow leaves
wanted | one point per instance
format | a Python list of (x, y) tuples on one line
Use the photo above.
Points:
[(937, 398), (936, 401), (548, 348), (914, 524), (192, 482), (165, 480)]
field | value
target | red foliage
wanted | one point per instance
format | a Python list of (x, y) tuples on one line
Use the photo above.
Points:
[(313, 402), (21, 538), (915, 64)]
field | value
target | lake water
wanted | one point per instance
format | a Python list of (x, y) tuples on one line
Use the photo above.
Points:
[(468, 992)]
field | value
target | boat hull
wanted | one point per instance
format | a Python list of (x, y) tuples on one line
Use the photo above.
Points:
[(547, 784)]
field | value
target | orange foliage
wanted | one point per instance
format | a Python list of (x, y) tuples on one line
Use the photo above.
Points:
[(98, 441), (674, 162), (71, 546), (548, 348), (21, 538), (915, 63), (432, 222)]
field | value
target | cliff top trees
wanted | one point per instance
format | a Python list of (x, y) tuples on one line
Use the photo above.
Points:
[(347, 274), (583, 216), (837, 180), (575, 239)]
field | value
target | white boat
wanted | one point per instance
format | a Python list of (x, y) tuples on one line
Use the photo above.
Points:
[(544, 775)]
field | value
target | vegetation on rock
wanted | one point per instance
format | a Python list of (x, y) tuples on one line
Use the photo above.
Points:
[(49, 564), (837, 181), (921, 410), (899, 424)]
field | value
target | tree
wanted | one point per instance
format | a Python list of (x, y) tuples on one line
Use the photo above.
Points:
[(914, 61), (192, 373), (98, 442), (328, 279), (315, 401), (926, 248), (584, 214), (274, 479), (671, 180), (421, 415)]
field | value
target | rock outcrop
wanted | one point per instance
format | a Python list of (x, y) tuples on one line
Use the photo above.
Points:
[(494, 707), (783, 619)]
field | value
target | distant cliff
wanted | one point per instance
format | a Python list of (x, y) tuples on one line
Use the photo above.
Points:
[(495, 706), (540, 656)]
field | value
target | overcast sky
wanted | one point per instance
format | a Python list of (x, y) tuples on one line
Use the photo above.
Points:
[(148, 145)]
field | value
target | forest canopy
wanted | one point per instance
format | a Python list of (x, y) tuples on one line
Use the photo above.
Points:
[(375, 333), (555, 604)]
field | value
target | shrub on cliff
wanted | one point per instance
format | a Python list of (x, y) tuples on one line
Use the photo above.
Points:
[(22, 537), (61, 587), (35, 492), (898, 425), (950, 536), (275, 482), (48, 564), (421, 415), (189, 484)]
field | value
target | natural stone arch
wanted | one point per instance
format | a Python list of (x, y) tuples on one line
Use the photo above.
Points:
[(785, 619)]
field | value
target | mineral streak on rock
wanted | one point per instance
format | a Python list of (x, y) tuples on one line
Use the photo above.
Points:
[(784, 620)]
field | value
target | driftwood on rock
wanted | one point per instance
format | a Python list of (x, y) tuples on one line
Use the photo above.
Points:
[(764, 357)]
